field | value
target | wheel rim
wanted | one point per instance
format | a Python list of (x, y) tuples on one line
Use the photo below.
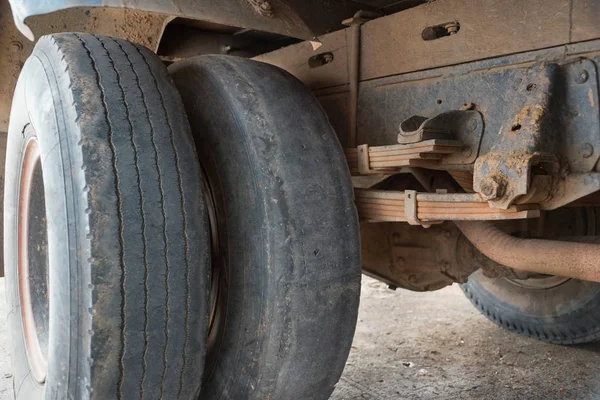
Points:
[(32, 263), (219, 285), (542, 282)]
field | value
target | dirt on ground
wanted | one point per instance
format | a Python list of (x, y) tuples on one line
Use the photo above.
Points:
[(436, 346)]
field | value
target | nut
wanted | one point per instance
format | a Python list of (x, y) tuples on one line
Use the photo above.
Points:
[(492, 187)]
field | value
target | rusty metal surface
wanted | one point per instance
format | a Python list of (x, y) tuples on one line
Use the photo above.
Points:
[(427, 259), (428, 208), (394, 44), (465, 126), (388, 159), (561, 258), (412, 257), (553, 117), (544, 123), (302, 19), (464, 179), (488, 28), (420, 259), (491, 86)]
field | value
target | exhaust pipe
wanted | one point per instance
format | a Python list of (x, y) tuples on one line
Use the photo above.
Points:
[(562, 258)]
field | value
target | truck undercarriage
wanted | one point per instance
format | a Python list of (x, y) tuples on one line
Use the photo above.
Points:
[(470, 139)]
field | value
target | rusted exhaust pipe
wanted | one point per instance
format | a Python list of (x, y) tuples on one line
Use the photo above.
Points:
[(561, 258)]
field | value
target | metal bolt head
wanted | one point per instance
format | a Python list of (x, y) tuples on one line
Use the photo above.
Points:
[(492, 188), (586, 150), (582, 77)]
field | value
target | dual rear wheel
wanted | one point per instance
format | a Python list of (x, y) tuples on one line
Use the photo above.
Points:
[(147, 259)]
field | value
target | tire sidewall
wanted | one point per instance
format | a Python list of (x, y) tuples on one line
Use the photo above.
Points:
[(39, 113)]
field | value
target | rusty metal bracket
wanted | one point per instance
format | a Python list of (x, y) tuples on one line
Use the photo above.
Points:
[(465, 126), (502, 178), (554, 133), (504, 174), (410, 207)]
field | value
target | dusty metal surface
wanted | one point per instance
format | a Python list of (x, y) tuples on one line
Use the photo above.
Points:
[(303, 19), (420, 259), (427, 208), (181, 40), (464, 126), (567, 259), (412, 257), (427, 259), (553, 124), (367, 160), (394, 44)]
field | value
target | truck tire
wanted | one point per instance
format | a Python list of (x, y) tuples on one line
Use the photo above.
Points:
[(107, 241), (287, 260), (551, 309)]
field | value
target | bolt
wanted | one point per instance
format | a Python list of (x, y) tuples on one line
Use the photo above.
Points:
[(492, 188), (447, 234), (582, 77), (586, 150), (265, 8), (452, 28), (412, 279)]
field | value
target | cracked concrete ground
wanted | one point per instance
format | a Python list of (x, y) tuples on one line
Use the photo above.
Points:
[(436, 346)]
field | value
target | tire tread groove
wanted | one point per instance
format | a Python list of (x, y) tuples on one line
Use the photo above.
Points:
[(185, 233), (118, 195)]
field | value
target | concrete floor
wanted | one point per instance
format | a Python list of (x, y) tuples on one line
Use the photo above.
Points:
[(437, 346)]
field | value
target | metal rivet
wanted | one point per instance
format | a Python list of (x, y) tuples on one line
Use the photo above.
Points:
[(582, 77)]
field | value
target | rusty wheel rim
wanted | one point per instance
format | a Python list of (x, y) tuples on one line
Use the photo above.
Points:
[(32, 263)]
